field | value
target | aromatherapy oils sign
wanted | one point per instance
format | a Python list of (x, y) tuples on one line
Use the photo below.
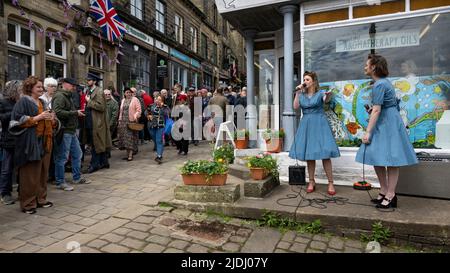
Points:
[(392, 39)]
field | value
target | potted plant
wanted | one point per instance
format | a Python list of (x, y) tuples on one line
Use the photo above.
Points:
[(262, 165), (274, 140), (241, 138), (224, 154), (204, 172)]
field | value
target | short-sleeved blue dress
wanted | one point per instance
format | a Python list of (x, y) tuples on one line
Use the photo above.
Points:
[(314, 139), (389, 144)]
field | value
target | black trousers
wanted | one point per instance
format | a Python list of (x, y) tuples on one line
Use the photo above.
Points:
[(183, 145)]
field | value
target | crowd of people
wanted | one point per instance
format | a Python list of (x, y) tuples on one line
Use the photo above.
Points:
[(48, 126)]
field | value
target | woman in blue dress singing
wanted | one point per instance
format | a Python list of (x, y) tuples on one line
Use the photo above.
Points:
[(386, 145), (314, 139)]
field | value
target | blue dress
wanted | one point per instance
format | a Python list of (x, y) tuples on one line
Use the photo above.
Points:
[(389, 144), (314, 139)]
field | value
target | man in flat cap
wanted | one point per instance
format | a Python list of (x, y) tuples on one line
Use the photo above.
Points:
[(96, 126), (67, 144)]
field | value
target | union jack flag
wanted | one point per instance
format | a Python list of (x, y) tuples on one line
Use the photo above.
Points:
[(108, 19)]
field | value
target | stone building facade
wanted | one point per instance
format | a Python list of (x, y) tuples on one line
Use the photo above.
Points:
[(25, 50)]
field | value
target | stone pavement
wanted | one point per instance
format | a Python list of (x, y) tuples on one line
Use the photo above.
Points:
[(119, 213)]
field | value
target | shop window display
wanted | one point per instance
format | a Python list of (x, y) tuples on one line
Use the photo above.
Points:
[(418, 53)]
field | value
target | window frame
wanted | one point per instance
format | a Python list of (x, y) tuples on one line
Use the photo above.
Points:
[(160, 26), (204, 46), (52, 47), (134, 9), (18, 36), (179, 28), (193, 39)]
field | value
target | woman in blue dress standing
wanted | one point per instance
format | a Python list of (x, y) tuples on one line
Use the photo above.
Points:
[(314, 139), (386, 145)]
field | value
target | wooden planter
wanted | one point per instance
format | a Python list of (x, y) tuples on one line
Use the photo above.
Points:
[(258, 173), (274, 146), (201, 179), (241, 143)]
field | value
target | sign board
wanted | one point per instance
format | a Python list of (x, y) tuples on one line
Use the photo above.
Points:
[(232, 5), (161, 46), (162, 69), (177, 54), (139, 35), (391, 39)]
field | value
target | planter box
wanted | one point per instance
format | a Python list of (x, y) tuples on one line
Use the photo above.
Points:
[(241, 143), (258, 173), (274, 146), (201, 179)]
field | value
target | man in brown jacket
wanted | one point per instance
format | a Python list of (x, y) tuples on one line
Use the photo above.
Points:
[(96, 125)]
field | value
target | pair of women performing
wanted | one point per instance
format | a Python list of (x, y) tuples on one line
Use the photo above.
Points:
[(385, 143)]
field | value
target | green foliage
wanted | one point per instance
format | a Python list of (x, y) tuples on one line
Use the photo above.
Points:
[(224, 154), (424, 144), (264, 161), (274, 220), (164, 205), (241, 134), (209, 168), (212, 213), (379, 234), (349, 143), (270, 134)]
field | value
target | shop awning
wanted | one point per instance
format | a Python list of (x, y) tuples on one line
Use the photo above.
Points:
[(262, 15)]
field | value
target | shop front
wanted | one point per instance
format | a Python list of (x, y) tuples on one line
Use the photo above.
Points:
[(184, 69), (417, 48), (135, 66)]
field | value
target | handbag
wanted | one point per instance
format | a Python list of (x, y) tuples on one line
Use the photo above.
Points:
[(134, 126)]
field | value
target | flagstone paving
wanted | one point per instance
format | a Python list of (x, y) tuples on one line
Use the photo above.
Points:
[(119, 212)]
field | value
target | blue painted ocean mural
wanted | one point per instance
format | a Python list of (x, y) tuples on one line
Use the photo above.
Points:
[(422, 102)]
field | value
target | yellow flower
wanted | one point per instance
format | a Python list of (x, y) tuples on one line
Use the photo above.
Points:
[(220, 160)]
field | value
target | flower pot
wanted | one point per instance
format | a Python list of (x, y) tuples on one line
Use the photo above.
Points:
[(258, 173), (274, 145), (241, 143), (201, 179)]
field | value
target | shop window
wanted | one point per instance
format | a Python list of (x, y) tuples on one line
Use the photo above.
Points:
[(425, 4), (179, 29), (20, 36), (136, 8), (418, 53), (55, 69), (160, 16), (326, 16), (383, 8), (20, 61), (264, 93), (193, 41), (20, 65)]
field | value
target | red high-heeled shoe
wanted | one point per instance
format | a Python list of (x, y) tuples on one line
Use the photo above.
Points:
[(332, 193), (311, 190)]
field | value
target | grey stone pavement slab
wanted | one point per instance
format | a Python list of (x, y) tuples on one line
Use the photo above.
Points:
[(119, 213)]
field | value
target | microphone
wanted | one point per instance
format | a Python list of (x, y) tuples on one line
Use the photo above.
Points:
[(302, 87)]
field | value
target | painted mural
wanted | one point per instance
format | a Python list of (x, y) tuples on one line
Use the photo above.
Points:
[(422, 103)]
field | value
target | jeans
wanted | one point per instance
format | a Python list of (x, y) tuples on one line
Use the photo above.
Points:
[(157, 136), (69, 145), (7, 172)]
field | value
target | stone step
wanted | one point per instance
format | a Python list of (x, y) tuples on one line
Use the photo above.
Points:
[(260, 188), (239, 171), (229, 193), (353, 217)]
